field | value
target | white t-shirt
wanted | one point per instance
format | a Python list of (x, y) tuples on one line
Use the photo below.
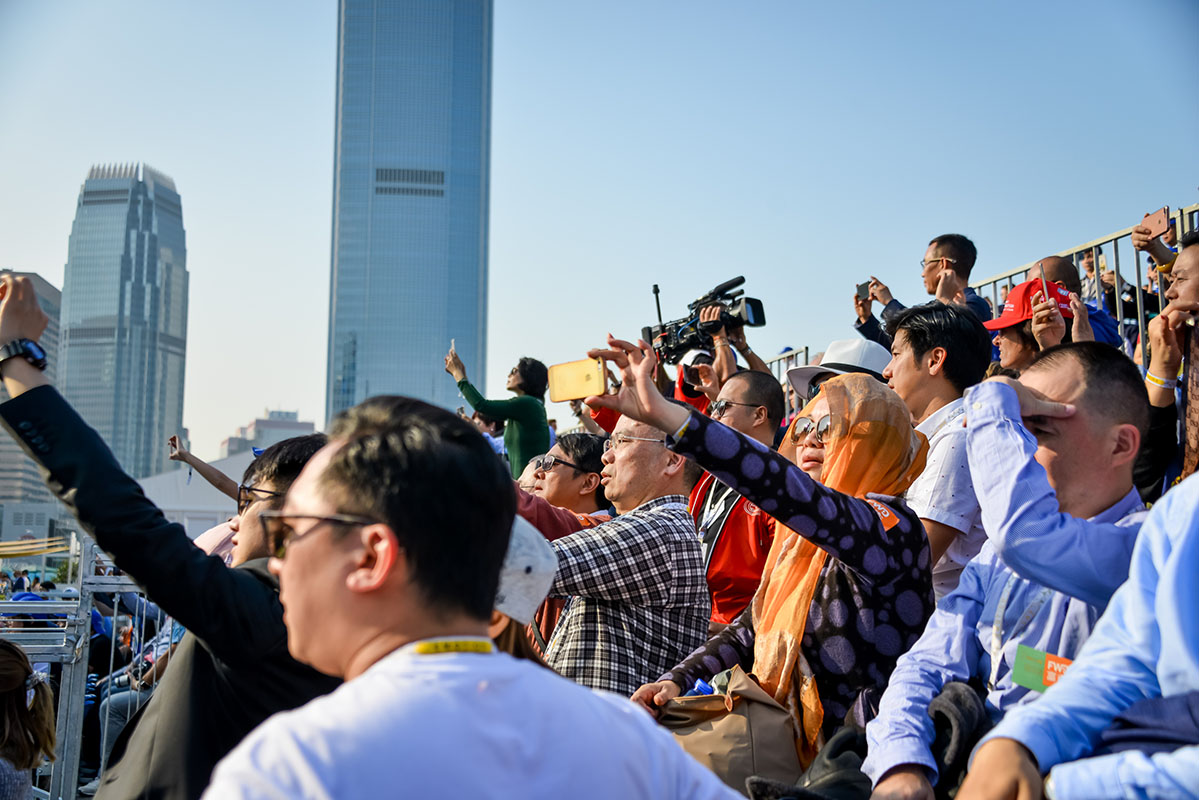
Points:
[(944, 493), (463, 725)]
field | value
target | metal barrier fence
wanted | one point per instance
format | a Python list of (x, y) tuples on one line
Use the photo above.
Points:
[(778, 367), (1186, 220), (61, 634)]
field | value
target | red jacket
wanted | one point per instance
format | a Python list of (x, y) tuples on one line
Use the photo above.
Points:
[(736, 558)]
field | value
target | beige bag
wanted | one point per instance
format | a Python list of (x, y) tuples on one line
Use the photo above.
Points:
[(738, 734)]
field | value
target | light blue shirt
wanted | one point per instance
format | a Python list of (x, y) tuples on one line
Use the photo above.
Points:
[(959, 644), (1145, 645), (1020, 510)]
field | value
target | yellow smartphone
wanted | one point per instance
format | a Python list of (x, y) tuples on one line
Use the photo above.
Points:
[(575, 380)]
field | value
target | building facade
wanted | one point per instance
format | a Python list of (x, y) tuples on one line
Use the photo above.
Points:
[(20, 480), (410, 198), (264, 432), (124, 313)]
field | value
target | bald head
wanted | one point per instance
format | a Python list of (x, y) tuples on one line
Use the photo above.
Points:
[(1059, 270)]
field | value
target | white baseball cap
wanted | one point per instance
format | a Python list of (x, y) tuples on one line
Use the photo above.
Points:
[(527, 573), (841, 357)]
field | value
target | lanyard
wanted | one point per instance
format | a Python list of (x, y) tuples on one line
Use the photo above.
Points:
[(438, 646), (997, 627)]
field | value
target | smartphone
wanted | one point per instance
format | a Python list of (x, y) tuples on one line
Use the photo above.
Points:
[(864, 291), (1158, 222), (1045, 296), (575, 380)]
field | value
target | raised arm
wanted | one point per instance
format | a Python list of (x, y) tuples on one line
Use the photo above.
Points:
[(849, 529), (219, 480)]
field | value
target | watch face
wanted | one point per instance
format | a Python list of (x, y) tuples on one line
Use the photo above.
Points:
[(35, 350)]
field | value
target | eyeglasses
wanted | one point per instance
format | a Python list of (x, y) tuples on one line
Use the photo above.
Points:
[(617, 439), (928, 263), (280, 534), (716, 411), (547, 462), (249, 495), (804, 425)]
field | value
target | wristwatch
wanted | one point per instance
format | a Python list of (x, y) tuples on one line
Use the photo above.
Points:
[(27, 349)]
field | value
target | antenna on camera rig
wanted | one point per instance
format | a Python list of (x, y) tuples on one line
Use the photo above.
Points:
[(658, 303)]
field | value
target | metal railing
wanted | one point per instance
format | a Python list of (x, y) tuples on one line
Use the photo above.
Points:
[(63, 636), (778, 367), (1186, 219)]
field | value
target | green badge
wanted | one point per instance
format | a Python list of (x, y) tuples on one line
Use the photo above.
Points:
[(1036, 669)]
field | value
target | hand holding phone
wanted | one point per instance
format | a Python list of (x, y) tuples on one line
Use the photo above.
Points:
[(576, 380), (1158, 222)]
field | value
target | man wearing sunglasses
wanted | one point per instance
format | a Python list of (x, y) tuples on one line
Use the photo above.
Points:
[(232, 669), (735, 534), (945, 271)]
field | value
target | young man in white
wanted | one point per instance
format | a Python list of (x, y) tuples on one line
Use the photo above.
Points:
[(390, 547)]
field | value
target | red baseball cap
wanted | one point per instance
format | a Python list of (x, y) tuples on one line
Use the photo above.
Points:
[(1018, 306)]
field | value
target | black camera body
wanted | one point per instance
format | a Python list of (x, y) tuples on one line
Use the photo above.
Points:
[(672, 340)]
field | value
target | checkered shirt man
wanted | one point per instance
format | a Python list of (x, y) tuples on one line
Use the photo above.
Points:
[(639, 597)]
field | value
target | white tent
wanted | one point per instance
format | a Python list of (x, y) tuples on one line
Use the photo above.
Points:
[(194, 503)]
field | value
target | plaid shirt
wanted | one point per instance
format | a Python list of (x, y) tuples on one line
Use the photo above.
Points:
[(639, 597)]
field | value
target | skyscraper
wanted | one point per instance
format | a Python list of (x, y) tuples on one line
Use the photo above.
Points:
[(124, 313), (20, 481), (410, 193)]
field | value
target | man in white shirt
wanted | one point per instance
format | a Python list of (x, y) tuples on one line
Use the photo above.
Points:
[(389, 548), (937, 352)]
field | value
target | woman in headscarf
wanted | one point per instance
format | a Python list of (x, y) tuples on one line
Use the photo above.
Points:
[(847, 585)]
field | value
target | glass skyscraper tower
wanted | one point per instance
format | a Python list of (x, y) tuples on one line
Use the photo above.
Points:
[(410, 193), (123, 328)]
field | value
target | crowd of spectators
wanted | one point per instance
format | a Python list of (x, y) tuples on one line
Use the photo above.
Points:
[(954, 558)]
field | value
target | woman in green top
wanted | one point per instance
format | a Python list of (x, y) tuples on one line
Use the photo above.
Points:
[(528, 434)]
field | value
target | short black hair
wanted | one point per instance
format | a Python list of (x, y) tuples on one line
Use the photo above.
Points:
[(490, 421), (1114, 387), (282, 462), (960, 249), (1189, 240), (763, 389), (534, 377), (967, 343), (432, 478), (586, 450)]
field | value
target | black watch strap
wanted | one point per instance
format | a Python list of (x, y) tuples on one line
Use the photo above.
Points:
[(27, 349)]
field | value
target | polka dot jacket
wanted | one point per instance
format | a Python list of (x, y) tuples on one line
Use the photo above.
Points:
[(875, 593)]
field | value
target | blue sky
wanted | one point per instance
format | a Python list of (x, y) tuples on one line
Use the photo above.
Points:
[(804, 145)]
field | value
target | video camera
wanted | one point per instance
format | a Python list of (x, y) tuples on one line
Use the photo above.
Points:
[(672, 340)]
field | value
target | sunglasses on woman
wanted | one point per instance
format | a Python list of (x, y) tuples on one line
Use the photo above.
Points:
[(805, 425)]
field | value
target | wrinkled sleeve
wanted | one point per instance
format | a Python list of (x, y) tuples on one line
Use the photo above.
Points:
[(625, 560), (731, 647), (847, 528), (947, 651), (1020, 510)]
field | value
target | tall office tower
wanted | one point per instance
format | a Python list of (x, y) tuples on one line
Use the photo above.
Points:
[(411, 168), (20, 481), (124, 313)]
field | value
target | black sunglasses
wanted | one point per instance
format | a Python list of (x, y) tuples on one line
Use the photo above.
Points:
[(248, 495), (280, 534), (547, 462)]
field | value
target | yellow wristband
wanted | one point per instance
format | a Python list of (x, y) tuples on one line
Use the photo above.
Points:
[(1165, 268)]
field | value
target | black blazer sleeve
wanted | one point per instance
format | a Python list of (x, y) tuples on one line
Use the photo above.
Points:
[(236, 613)]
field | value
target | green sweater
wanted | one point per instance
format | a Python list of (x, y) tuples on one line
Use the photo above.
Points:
[(527, 433)]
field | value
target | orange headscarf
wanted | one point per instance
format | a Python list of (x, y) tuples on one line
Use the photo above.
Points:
[(871, 448)]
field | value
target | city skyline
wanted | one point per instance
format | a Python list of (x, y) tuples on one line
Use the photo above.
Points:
[(632, 144), (408, 270), (123, 330)]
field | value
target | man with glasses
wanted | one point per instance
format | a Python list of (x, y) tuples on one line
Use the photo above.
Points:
[(945, 270), (638, 594), (735, 535), (232, 669)]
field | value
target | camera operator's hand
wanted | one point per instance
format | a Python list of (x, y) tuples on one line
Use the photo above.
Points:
[(1158, 250), (879, 291), (711, 314), (638, 397), (863, 308), (21, 317)]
